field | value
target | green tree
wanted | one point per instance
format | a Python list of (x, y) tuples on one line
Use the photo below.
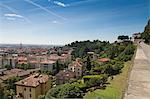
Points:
[(64, 91), (41, 97), (96, 81), (88, 64), (8, 66), (11, 88)]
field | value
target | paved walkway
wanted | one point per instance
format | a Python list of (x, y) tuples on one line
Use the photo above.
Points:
[(139, 81)]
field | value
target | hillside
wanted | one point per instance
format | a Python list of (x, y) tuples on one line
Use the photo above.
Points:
[(147, 27), (146, 33)]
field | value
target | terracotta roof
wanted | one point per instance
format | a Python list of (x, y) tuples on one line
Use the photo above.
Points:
[(33, 80), (48, 62), (33, 61), (76, 63), (22, 58), (104, 60), (53, 57)]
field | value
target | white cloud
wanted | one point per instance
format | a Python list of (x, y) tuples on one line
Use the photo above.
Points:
[(13, 15), (46, 10), (12, 19), (61, 4)]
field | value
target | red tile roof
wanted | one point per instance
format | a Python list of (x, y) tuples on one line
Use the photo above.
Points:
[(104, 60), (33, 80)]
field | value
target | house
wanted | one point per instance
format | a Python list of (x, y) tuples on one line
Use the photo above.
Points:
[(8, 61), (77, 66), (53, 57), (33, 86), (22, 60), (93, 55), (103, 60), (64, 76), (34, 64), (65, 58), (136, 37), (47, 65)]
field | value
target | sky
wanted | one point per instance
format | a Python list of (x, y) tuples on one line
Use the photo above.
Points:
[(58, 22)]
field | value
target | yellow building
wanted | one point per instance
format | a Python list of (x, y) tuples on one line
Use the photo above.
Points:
[(33, 86)]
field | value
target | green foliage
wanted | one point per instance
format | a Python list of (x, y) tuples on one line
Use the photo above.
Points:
[(8, 67), (41, 97), (82, 47), (146, 34), (95, 80), (1, 93), (88, 64), (92, 76), (48, 72), (64, 91), (11, 88), (146, 37), (127, 54), (23, 66), (123, 37), (56, 67)]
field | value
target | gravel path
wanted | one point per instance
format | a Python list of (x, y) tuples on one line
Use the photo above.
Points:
[(139, 81)]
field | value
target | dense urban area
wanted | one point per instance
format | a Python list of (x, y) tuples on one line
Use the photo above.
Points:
[(83, 69)]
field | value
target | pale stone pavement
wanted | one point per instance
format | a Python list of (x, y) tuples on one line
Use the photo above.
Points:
[(139, 80)]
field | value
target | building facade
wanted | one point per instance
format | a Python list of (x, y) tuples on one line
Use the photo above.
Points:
[(33, 86), (77, 67)]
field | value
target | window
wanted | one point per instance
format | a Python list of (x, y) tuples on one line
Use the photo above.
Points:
[(20, 94), (71, 68), (24, 89), (30, 89), (30, 95)]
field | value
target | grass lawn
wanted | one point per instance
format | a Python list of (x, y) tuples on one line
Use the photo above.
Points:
[(115, 89)]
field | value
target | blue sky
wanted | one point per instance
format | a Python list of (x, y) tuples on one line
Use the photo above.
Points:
[(64, 21)]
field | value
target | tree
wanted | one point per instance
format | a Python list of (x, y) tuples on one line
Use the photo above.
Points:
[(127, 54), (146, 37), (123, 37), (8, 66), (11, 88), (23, 66), (88, 64), (41, 97), (95, 80), (64, 91)]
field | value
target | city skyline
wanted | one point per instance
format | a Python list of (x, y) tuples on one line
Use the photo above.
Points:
[(59, 22)]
